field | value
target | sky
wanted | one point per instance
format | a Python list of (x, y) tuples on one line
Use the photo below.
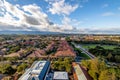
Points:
[(66, 16)]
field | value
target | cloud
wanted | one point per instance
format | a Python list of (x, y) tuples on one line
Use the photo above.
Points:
[(61, 7), (66, 24), (27, 17), (31, 20), (99, 30), (108, 14), (70, 23), (31, 17), (109, 30), (105, 5)]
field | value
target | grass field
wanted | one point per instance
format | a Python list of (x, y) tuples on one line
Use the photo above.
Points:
[(87, 46)]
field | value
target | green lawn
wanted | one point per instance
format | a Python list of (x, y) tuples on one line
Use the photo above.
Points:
[(87, 46)]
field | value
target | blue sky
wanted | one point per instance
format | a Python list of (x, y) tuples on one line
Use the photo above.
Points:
[(69, 16)]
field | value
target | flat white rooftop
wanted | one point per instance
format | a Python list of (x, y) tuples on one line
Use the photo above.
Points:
[(34, 71), (58, 75)]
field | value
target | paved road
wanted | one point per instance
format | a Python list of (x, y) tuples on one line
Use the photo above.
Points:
[(84, 50)]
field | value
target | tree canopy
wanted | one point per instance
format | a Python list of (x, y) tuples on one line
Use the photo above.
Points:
[(98, 70)]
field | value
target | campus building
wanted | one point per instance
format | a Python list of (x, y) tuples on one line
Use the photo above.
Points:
[(58, 75), (80, 73), (38, 71)]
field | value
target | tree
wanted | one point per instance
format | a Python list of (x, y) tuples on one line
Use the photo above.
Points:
[(93, 74), (99, 71), (106, 75), (61, 67), (109, 56), (55, 65), (102, 66), (94, 65), (116, 50), (117, 73), (6, 69), (117, 58), (67, 38), (67, 60), (68, 68), (21, 67), (113, 73), (31, 60), (85, 63), (12, 59), (60, 60)]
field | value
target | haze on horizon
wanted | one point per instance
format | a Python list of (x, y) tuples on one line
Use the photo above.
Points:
[(67, 16)]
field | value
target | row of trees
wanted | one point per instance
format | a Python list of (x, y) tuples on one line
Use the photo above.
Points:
[(22, 44), (110, 55), (8, 69), (15, 69), (12, 49), (98, 70), (103, 42)]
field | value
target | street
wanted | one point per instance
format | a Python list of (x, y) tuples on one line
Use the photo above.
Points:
[(84, 50)]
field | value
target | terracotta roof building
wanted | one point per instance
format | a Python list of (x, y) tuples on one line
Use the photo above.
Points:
[(80, 73), (64, 50)]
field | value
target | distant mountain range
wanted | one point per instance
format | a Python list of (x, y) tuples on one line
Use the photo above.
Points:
[(43, 33), (29, 32)]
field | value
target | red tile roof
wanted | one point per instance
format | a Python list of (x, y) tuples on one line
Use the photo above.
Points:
[(64, 50), (37, 53), (88, 77)]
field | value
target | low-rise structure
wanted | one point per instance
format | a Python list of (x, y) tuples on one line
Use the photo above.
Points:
[(38, 71), (79, 73), (60, 76)]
